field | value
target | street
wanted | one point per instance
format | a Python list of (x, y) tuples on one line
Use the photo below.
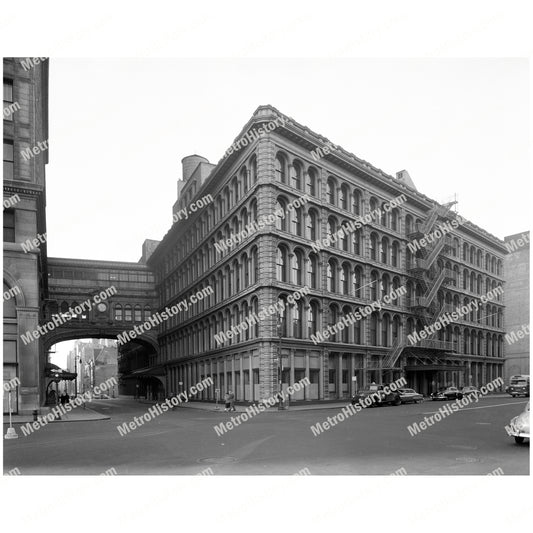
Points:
[(373, 441)]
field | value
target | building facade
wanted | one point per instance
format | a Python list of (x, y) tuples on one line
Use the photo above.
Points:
[(25, 271), (235, 243), (517, 305)]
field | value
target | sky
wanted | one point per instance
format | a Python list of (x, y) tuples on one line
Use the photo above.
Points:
[(120, 127)]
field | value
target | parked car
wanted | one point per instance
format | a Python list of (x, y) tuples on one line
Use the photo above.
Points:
[(470, 390), (519, 426), (518, 386), (380, 397), (410, 395), (447, 393)]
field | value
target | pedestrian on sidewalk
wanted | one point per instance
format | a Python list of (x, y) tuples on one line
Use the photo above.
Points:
[(231, 397), (227, 403)]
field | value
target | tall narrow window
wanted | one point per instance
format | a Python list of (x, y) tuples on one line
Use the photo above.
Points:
[(8, 159), (296, 175), (8, 99), (9, 225), (311, 181), (281, 168)]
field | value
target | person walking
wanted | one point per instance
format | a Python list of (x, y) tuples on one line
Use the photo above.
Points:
[(231, 397), (227, 403)]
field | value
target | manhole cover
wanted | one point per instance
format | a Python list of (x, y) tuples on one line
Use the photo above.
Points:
[(467, 459), (218, 460)]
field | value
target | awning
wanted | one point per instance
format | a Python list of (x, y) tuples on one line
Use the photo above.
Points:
[(155, 371), (433, 368), (58, 374)]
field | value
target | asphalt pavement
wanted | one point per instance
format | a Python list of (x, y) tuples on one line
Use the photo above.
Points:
[(184, 441)]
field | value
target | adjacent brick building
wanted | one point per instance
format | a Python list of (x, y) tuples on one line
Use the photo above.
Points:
[(517, 305)]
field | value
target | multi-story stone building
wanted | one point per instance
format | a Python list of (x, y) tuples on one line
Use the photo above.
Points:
[(25, 270), (517, 305), (273, 163)]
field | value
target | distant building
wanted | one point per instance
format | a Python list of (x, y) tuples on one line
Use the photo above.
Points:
[(517, 305), (95, 361)]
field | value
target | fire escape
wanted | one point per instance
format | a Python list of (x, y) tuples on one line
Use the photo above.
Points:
[(430, 278)]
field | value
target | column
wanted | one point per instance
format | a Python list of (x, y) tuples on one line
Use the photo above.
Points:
[(339, 376), (252, 395), (233, 388), (321, 376), (307, 390), (291, 369), (351, 373), (241, 374)]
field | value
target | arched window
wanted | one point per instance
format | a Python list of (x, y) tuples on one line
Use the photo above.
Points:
[(333, 319), (118, 312), (297, 268), (297, 312), (356, 242), (357, 281), (311, 184), (384, 250), (312, 266), (374, 285), (253, 171), (312, 318), (296, 215), (345, 278), (147, 312), (296, 175), (127, 313), (356, 202), (374, 246), (344, 237), (345, 334), (312, 218), (281, 218), (332, 229), (137, 313), (284, 316), (332, 275), (374, 329), (280, 168), (331, 191), (385, 328), (395, 255), (344, 195), (408, 224), (281, 263), (395, 220), (384, 215)]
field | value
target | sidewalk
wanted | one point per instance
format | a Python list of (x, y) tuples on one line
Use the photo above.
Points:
[(296, 406), (76, 415)]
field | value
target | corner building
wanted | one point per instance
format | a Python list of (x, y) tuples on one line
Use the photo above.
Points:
[(25, 273), (267, 173)]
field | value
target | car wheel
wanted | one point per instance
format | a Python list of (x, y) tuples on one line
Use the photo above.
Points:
[(397, 402), (519, 440)]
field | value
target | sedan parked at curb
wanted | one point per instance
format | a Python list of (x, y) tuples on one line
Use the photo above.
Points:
[(449, 393), (519, 426), (410, 395), (375, 395), (466, 391)]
